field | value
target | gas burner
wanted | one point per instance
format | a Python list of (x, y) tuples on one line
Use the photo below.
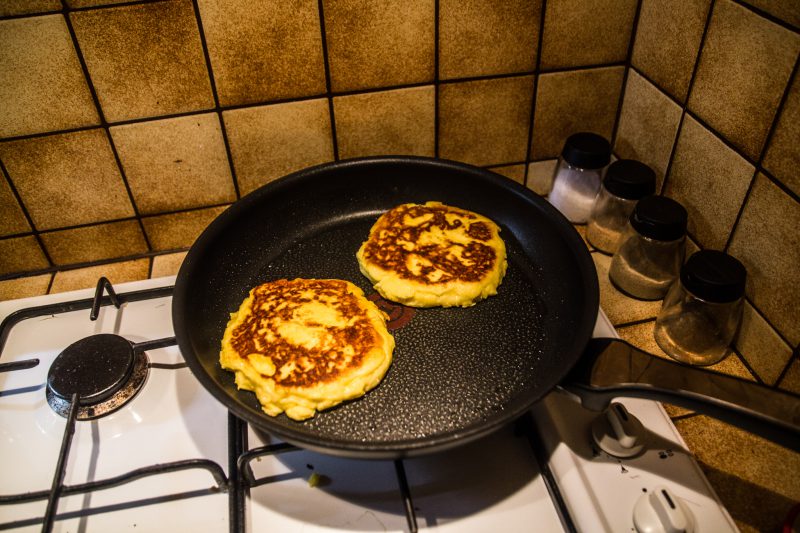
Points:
[(103, 370)]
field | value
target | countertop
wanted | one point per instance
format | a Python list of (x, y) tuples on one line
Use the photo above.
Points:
[(759, 482)]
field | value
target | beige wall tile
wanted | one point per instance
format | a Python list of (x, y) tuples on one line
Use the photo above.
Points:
[(85, 278), (178, 230), (586, 32), (271, 141), (167, 264), (252, 58), (710, 180), (11, 289), (786, 10), (755, 479), (386, 123), (648, 125), (783, 154), (569, 102), (176, 163), (513, 172), (744, 68), (95, 243), (767, 242), (668, 37), (21, 254), (13, 219), (761, 346), (93, 3), (540, 176), (379, 43), (42, 86), (618, 307), (67, 179), (145, 59), (24, 7), (483, 37), (485, 122)]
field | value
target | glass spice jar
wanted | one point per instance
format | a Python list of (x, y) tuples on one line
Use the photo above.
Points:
[(576, 179), (703, 309), (626, 182), (651, 249)]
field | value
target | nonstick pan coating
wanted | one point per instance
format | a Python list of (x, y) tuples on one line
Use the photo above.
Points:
[(457, 374)]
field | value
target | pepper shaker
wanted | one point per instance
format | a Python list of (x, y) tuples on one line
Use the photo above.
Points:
[(576, 179), (626, 182), (651, 249), (703, 309)]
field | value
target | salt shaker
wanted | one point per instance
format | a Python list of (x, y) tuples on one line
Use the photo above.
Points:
[(651, 249), (576, 179), (703, 309), (626, 182)]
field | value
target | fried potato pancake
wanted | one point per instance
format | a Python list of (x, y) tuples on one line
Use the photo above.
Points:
[(433, 255), (306, 345)]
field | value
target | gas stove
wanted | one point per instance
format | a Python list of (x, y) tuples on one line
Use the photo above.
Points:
[(146, 448)]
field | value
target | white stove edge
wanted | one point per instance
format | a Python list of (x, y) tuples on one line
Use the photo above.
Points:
[(602, 499), (567, 459)]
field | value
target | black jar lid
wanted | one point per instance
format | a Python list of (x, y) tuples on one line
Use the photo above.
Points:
[(659, 218), (714, 276), (586, 150), (630, 179)]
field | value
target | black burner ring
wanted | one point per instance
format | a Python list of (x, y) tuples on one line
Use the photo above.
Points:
[(104, 370)]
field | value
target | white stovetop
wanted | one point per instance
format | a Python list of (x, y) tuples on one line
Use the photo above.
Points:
[(493, 483)]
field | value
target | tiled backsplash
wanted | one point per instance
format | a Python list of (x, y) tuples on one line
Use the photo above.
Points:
[(125, 129)]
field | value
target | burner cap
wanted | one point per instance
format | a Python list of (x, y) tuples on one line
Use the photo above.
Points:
[(103, 370)]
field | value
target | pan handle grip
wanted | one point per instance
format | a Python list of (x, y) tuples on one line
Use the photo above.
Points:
[(611, 368)]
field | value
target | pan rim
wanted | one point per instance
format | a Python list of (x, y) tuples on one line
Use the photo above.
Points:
[(382, 449)]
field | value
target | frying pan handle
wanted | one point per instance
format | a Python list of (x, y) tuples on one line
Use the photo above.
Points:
[(611, 368)]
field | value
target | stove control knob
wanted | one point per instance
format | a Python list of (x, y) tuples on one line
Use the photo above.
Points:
[(617, 432), (660, 511)]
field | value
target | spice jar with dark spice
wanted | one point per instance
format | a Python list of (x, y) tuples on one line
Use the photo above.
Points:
[(651, 249)]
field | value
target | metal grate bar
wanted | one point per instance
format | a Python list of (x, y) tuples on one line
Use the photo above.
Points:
[(102, 285), (237, 441), (61, 466), (408, 504), (68, 490), (18, 365), (246, 458)]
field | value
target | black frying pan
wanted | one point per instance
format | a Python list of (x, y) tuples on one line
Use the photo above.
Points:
[(457, 374)]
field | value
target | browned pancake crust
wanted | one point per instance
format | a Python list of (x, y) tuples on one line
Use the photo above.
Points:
[(275, 301), (383, 249)]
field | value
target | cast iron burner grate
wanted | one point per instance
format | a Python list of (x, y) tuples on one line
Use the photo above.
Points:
[(104, 371), (122, 360)]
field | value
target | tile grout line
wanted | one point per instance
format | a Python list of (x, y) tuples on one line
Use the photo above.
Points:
[(436, 83), (103, 122), (88, 264), (763, 14), (685, 104), (628, 62), (34, 231), (328, 84), (535, 94), (116, 220), (215, 95), (795, 357)]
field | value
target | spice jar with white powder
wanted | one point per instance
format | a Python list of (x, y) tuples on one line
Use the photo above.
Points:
[(576, 179), (626, 182)]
